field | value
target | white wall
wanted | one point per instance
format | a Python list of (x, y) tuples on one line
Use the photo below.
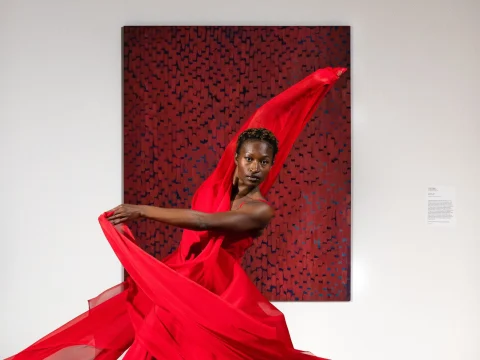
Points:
[(416, 289)]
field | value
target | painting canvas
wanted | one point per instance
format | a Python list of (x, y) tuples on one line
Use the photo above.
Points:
[(186, 92)]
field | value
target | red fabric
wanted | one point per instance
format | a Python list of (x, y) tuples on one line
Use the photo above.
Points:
[(197, 303)]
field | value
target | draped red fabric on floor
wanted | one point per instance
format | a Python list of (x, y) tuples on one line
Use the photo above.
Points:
[(197, 303)]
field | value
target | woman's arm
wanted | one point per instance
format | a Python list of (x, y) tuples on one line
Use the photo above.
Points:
[(252, 216)]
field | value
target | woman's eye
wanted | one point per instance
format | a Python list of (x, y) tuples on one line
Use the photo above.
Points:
[(248, 159)]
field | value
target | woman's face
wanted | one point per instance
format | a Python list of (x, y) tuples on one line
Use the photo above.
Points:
[(254, 162)]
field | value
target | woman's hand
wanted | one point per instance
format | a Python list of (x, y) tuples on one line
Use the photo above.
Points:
[(125, 212)]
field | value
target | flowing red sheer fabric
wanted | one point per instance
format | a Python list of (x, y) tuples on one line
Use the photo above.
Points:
[(197, 303)]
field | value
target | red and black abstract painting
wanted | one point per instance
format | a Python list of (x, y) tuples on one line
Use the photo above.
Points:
[(188, 89)]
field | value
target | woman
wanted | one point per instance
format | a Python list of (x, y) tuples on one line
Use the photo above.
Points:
[(249, 212), (198, 303)]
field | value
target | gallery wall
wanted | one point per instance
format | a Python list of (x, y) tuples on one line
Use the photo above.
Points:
[(415, 287)]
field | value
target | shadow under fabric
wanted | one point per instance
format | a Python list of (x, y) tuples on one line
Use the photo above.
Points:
[(193, 304)]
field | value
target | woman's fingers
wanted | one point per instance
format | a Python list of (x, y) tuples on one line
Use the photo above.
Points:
[(114, 216), (118, 220), (117, 216)]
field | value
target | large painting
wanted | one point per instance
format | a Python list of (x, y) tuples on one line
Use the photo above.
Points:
[(188, 89)]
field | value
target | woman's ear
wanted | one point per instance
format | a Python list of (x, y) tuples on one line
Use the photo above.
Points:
[(235, 173), (235, 177)]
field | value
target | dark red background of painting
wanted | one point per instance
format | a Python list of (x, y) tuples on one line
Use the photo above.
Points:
[(187, 90)]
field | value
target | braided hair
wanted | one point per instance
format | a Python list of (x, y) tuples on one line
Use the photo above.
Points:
[(258, 134)]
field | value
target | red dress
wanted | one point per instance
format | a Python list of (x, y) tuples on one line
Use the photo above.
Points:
[(197, 303)]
